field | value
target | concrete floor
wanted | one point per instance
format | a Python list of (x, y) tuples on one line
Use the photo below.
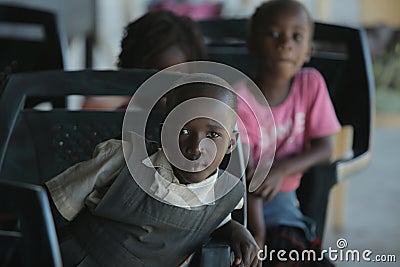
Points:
[(372, 204)]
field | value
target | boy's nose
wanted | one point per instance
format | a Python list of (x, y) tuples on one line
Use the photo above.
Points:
[(193, 150), (284, 41)]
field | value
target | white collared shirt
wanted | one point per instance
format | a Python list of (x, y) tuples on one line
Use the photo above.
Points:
[(168, 188)]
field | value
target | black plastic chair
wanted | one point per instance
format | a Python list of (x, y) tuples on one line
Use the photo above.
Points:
[(30, 40), (341, 55), (47, 142), (27, 232)]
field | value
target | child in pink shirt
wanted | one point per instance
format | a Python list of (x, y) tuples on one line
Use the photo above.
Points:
[(280, 41)]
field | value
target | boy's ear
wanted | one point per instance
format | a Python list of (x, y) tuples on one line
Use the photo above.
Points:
[(309, 52), (233, 142)]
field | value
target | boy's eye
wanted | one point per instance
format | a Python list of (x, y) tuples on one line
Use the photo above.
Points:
[(298, 37), (273, 34), (184, 132), (213, 135)]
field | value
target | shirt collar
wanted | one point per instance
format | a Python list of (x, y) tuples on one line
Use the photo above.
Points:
[(159, 160), (167, 187)]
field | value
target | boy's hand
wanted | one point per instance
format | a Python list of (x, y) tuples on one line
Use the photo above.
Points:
[(271, 185), (260, 240), (244, 246)]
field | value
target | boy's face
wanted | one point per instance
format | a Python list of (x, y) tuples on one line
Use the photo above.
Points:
[(194, 144), (282, 43), (204, 141)]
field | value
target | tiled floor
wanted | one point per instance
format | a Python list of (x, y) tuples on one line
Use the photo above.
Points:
[(372, 212)]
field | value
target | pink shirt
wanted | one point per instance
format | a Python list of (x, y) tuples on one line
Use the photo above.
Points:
[(306, 113)]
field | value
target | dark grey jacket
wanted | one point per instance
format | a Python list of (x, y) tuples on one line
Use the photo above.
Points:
[(131, 228)]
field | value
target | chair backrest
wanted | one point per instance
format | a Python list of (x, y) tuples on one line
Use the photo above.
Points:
[(47, 142), (30, 37), (340, 53), (27, 232), (30, 40)]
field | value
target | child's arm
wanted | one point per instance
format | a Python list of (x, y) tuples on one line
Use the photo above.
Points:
[(319, 151), (242, 242), (255, 214), (69, 189), (255, 218)]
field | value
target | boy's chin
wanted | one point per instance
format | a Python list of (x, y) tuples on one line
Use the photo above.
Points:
[(186, 177)]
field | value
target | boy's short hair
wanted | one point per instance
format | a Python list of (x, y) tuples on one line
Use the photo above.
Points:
[(198, 85), (271, 7)]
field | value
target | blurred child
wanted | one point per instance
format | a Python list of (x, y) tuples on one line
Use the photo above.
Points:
[(156, 40), (279, 39), (115, 222)]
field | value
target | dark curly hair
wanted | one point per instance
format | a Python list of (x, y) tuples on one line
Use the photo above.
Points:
[(153, 33)]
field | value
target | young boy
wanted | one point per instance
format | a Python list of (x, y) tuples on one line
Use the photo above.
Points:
[(114, 222), (280, 41)]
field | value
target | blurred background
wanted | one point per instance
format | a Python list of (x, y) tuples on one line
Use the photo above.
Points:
[(364, 208), (93, 30)]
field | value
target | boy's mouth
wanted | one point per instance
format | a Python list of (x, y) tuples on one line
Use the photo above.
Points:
[(284, 59), (196, 166), (285, 62)]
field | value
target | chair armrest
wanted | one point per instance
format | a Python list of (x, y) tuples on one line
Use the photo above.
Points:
[(343, 144), (215, 253)]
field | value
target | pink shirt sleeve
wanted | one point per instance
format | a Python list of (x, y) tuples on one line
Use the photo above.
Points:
[(250, 131), (321, 120)]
